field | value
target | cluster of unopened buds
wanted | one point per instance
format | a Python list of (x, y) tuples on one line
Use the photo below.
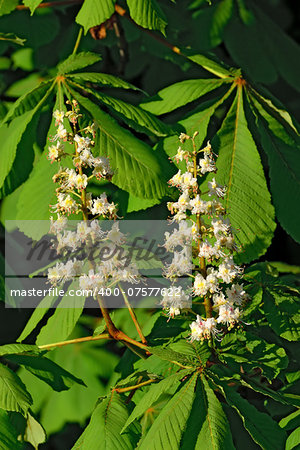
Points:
[(203, 246), (71, 193)]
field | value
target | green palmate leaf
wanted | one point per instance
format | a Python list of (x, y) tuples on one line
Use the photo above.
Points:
[(7, 6), (263, 430), (247, 199), (13, 393), (138, 170), (134, 116), (37, 316), (153, 394), (210, 64), (32, 4), (24, 158), (283, 151), (198, 121), (77, 61), (147, 14), (103, 79), (14, 349), (93, 13), (10, 138), (168, 427), (46, 370), (179, 94), (11, 37), (33, 209), (211, 426), (34, 432), (8, 433), (36, 207), (107, 421), (30, 101), (293, 441), (62, 322), (282, 312)]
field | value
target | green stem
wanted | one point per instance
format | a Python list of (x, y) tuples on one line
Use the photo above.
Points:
[(74, 341), (77, 41), (133, 316)]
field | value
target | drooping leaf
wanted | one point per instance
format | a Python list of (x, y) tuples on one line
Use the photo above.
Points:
[(34, 432), (138, 170), (89, 361), (11, 37), (93, 13), (46, 370), (168, 427), (263, 430), (107, 421), (147, 14), (180, 94), (36, 316), (13, 393), (8, 433), (23, 161), (247, 199), (77, 61), (283, 152), (61, 324)]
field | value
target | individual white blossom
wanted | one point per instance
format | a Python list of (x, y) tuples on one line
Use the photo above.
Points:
[(61, 133), (174, 300), (55, 152), (216, 188), (181, 155), (200, 286), (58, 116), (228, 315), (207, 165), (236, 294)]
